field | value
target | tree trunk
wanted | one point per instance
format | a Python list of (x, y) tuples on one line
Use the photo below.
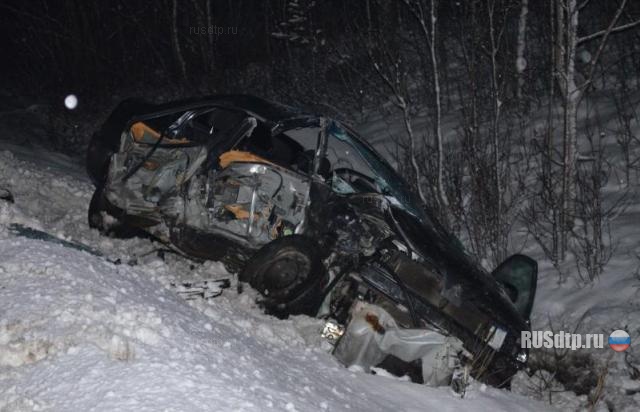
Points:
[(442, 196), (571, 97), (521, 62), (176, 43), (549, 182), (500, 243), (412, 148)]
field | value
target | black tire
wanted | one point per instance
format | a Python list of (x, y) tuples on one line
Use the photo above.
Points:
[(95, 217), (98, 157), (289, 273), (100, 210)]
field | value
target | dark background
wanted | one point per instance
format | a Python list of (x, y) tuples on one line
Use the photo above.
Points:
[(368, 62), (300, 50)]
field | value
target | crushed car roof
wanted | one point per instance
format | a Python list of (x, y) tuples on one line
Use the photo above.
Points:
[(266, 109)]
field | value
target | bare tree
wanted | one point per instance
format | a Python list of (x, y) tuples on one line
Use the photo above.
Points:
[(396, 83), (496, 97), (418, 9), (521, 43), (567, 41), (176, 41), (438, 106)]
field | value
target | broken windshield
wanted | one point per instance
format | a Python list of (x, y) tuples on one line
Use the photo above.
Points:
[(387, 181)]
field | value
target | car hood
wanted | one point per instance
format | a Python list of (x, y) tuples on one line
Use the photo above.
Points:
[(466, 284)]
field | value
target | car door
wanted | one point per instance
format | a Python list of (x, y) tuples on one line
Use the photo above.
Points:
[(519, 276)]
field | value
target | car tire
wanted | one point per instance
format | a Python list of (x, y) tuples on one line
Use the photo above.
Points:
[(99, 209), (98, 157), (290, 275), (95, 216)]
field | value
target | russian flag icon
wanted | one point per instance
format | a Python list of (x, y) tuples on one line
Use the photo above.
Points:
[(619, 340)]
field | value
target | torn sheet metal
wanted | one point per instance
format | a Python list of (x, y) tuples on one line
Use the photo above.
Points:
[(372, 334)]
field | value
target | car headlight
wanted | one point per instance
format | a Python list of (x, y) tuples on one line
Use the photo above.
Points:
[(332, 331), (522, 356)]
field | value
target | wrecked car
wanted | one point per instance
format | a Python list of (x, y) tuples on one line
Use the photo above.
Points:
[(313, 218)]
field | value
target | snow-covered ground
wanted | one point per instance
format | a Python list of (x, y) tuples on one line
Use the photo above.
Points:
[(78, 332)]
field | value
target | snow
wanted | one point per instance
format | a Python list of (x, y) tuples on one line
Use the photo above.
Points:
[(78, 332)]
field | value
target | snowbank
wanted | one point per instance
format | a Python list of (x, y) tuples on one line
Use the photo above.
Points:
[(80, 333)]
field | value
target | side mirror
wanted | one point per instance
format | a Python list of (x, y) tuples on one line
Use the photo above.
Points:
[(519, 275)]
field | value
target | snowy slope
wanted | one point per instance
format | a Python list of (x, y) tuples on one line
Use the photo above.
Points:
[(80, 333)]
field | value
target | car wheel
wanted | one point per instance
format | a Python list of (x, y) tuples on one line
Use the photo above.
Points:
[(101, 217), (289, 274), (98, 157), (95, 217)]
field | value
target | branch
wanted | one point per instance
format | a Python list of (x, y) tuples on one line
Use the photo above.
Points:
[(418, 13), (610, 31), (400, 101), (583, 4), (603, 43)]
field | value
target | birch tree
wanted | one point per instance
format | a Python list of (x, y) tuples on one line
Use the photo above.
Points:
[(572, 92), (429, 31), (496, 98), (521, 44)]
